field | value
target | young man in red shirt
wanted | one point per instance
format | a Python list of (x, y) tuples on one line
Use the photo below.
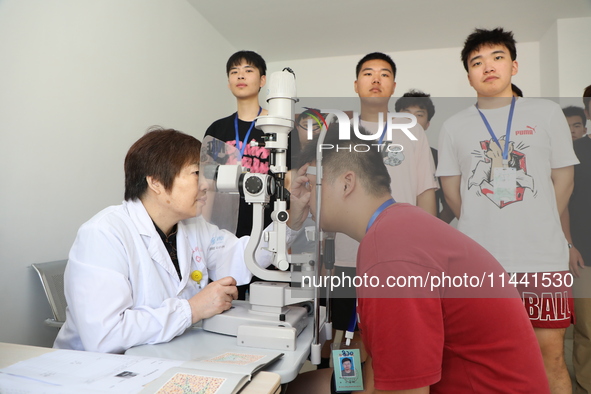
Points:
[(421, 336)]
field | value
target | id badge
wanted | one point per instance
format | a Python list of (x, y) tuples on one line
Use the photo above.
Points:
[(347, 367), (505, 183)]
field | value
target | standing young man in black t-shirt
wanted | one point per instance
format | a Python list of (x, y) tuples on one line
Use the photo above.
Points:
[(246, 71)]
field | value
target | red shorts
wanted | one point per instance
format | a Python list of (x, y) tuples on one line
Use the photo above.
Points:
[(547, 297)]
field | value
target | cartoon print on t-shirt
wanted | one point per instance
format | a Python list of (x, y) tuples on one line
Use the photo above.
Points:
[(255, 158), (491, 157), (392, 156), (218, 151), (394, 159)]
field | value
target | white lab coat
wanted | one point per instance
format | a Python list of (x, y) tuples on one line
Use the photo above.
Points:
[(122, 288)]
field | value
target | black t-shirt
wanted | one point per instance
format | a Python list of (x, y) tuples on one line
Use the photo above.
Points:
[(256, 158), (439, 192), (170, 245), (580, 201)]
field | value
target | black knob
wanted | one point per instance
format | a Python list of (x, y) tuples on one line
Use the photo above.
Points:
[(282, 216), (253, 185)]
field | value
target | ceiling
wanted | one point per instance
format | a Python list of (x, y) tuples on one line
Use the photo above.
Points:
[(300, 29)]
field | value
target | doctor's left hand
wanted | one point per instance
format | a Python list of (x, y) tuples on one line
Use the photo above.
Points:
[(299, 199), (215, 298)]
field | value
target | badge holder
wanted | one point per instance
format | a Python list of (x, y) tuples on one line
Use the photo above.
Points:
[(505, 183), (348, 374)]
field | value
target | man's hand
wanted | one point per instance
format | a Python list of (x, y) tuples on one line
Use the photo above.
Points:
[(575, 261), (428, 201), (215, 298), (451, 192)]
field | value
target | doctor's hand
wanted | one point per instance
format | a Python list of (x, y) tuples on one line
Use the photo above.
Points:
[(299, 199), (215, 298)]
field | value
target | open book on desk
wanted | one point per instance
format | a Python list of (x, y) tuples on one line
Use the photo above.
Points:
[(223, 373)]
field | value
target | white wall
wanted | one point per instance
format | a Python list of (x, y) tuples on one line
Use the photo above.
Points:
[(565, 58), (79, 82), (574, 56), (549, 62)]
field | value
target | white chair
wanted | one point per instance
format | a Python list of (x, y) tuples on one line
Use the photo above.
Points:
[(52, 278)]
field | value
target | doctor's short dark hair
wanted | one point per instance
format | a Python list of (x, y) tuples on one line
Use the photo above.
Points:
[(160, 153), (362, 157), (482, 37)]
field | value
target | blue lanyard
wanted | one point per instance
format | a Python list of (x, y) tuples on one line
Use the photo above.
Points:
[(378, 211), (383, 132), (238, 146), (507, 134), (386, 204)]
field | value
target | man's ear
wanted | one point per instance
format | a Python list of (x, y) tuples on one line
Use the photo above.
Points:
[(154, 185), (263, 80), (514, 68), (349, 179), (393, 88)]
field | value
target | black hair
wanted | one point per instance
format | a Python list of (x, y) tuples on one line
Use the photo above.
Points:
[(416, 98), (587, 99), (160, 153), (376, 56), (516, 90), (251, 58), (342, 156), (482, 37), (575, 111)]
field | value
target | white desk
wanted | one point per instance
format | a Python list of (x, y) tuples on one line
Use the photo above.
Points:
[(196, 343), (10, 353)]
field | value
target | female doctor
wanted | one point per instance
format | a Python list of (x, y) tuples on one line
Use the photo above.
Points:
[(138, 272)]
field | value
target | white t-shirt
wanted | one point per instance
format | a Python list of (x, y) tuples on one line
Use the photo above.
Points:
[(523, 234), (412, 171)]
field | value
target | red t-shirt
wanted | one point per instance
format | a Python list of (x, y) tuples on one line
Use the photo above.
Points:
[(470, 336)]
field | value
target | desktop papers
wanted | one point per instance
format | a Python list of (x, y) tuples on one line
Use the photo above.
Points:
[(70, 371), (223, 373)]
